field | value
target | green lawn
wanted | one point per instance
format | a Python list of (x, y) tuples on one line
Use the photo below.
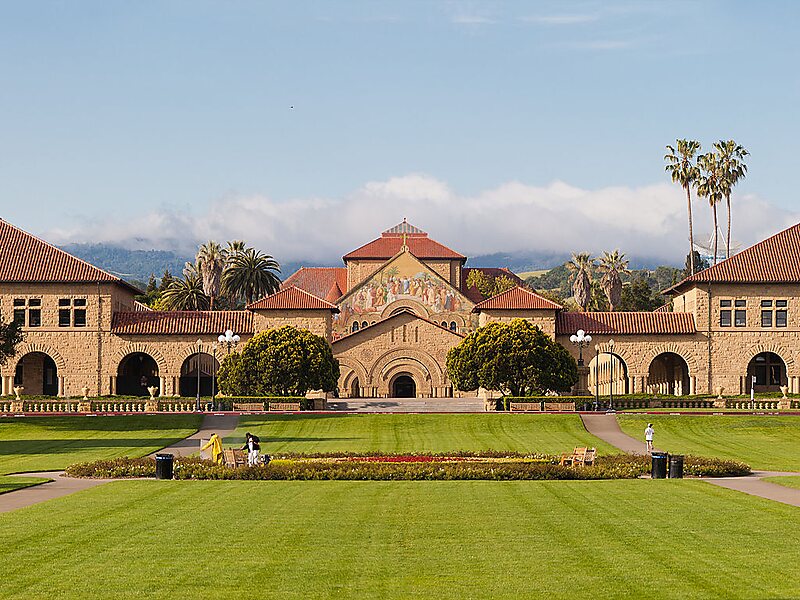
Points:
[(9, 484), (556, 540), (418, 433), (52, 443), (792, 481), (763, 442)]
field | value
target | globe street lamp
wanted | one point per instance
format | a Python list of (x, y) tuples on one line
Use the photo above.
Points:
[(596, 378), (581, 340), (229, 340)]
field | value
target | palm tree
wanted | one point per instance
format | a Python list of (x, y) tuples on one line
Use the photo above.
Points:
[(581, 265), (732, 168), (235, 247), (185, 294), (683, 169), (709, 186), (612, 265), (251, 274), (211, 259)]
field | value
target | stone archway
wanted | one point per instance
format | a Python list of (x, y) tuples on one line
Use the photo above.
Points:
[(37, 372), (608, 375), (403, 385), (668, 375), (135, 373), (198, 366), (398, 306), (769, 371)]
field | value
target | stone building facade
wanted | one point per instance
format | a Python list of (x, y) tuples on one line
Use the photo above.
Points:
[(391, 314)]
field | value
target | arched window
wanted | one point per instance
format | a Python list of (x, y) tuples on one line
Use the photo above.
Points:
[(444, 323), (373, 323), (453, 326), (364, 324), (355, 326)]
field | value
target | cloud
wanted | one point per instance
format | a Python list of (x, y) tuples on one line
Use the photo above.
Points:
[(647, 222), (462, 19), (564, 19)]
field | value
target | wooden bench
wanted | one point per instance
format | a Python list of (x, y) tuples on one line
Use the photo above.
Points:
[(248, 406), (559, 406), (525, 406), (234, 458), (290, 406), (579, 456)]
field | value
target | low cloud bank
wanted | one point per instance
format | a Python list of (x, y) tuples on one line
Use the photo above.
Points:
[(646, 222)]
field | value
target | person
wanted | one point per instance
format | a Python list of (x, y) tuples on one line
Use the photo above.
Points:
[(253, 446), (648, 437), (215, 443)]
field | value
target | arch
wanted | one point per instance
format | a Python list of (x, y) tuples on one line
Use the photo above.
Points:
[(199, 363), (673, 348), (140, 347), (769, 370), (350, 370), (403, 385), (44, 349), (608, 374), (405, 304), (668, 375), (775, 349), (426, 364), (37, 372), (135, 373)]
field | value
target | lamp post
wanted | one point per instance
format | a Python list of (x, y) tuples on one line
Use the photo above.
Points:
[(214, 375), (581, 340), (611, 383), (596, 380), (199, 353), (229, 339)]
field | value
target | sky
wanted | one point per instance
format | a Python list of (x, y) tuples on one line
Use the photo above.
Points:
[(307, 128)]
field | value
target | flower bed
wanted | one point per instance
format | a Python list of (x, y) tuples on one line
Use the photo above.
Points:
[(388, 467)]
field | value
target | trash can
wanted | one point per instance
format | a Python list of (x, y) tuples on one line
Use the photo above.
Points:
[(164, 466), (659, 465), (676, 466)]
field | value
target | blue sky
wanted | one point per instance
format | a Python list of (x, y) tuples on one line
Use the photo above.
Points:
[(496, 126)]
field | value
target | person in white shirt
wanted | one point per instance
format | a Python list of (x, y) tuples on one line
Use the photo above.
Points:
[(648, 437)]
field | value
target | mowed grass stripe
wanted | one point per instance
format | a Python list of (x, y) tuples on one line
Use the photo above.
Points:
[(763, 442), (612, 539), (418, 433), (52, 443), (10, 484)]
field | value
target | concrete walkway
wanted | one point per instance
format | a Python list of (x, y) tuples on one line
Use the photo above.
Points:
[(605, 427), (221, 424), (58, 487), (408, 405)]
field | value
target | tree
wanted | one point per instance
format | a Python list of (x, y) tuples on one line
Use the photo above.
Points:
[(185, 294), (637, 295), (515, 358), (211, 260), (481, 281), (695, 260), (151, 285), (684, 171), (235, 247), (581, 266), (503, 283), (612, 265), (732, 168), (166, 279), (709, 186), (280, 362), (251, 275), (10, 337)]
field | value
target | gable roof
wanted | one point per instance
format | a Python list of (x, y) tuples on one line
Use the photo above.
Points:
[(24, 258), (396, 315), (625, 323), (517, 298), (773, 260), (391, 242), (318, 280), (292, 298), (190, 322)]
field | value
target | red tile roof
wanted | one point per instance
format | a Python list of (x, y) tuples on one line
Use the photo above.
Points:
[(493, 272), (774, 260), (318, 280), (517, 298), (391, 241), (26, 258), (625, 323), (334, 293), (292, 298), (182, 322)]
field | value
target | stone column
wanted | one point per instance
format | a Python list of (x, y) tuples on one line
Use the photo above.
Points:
[(692, 385), (112, 386), (162, 384), (61, 386), (3, 383), (582, 386)]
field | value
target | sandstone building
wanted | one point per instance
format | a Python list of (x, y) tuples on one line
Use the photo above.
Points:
[(391, 314)]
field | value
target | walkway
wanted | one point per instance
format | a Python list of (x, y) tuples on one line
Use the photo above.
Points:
[(605, 427), (408, 405), (221, 424), (60, 486)]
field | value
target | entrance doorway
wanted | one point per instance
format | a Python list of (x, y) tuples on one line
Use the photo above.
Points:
[(404, 387), (38, 374), (136, 373), (769, 370)]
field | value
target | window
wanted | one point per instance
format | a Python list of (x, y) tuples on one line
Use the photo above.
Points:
[(781, 317), (79, 317), (766, 303), (34, 317), (725, 303), (724, 318), (68, 314), (740, 318), (453, 326), (740, 303), (63, 302), (766, 318), (780, 303), (19, 316), (19, 301), (79, 302), (354, 328), (444, 323), (28, 310), (364, 324)]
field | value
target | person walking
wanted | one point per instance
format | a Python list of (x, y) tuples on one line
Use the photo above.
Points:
[(648, 437), (215, 443), (253, 446)]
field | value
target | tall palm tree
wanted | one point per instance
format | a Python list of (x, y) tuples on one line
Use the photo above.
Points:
[(211, 259), (684, 171), (235, 247), (251, 274), (709, 186), (581, 266), (185, 294), (612, 265), (732, 169)]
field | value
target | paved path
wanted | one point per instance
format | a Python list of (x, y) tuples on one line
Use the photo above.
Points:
[(60, 486), (408, 405), (605, 427), (221, 424)]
